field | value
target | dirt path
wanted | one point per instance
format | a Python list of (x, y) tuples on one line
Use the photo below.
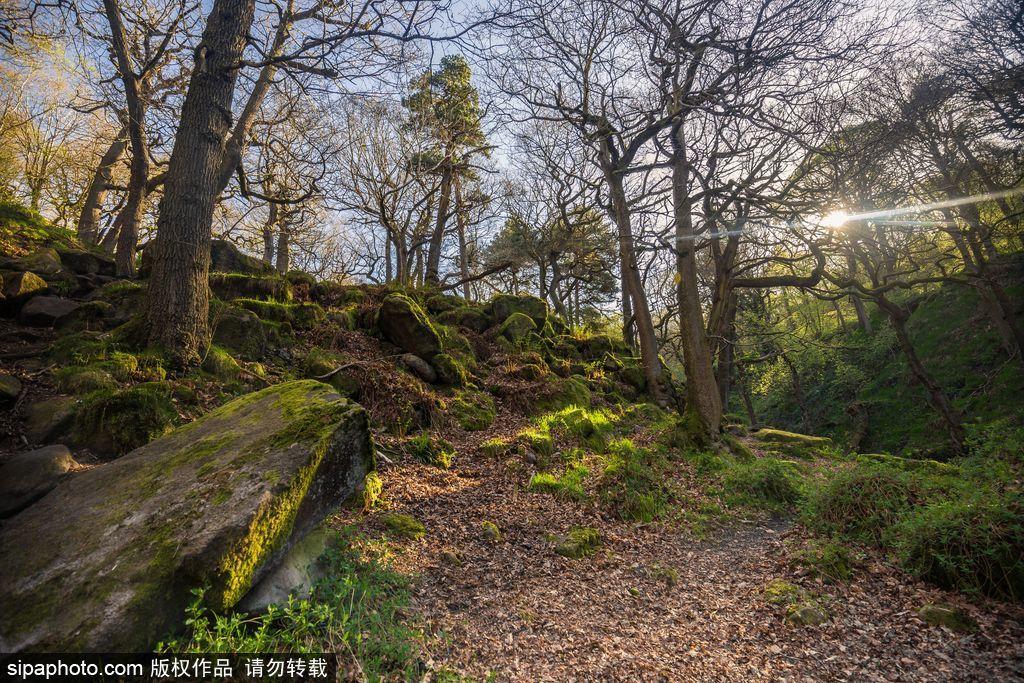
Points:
[(655, 603)]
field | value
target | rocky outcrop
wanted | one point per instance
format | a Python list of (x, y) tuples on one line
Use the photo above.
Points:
[(28, 476), (106, 561), (404, 324), (46, 311), (504, 305)]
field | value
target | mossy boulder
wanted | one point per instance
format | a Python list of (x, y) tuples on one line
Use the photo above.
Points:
[(302, 316), (225, 257), (562, 392), (111, 423), (217, 503), (81, 380), (47, 421), (598, 346), (46, 311), (450, 371), (580, 542), (228, 286), (44, 261), (404, 526), (505, 305), (10, 389), (793, 444), (19, 286), (83, 262), (245, 333), (27, 477), (403, 323), (466, 317), (439, 303), (127, 299), (517, 327), (949, 616), (219, 363)]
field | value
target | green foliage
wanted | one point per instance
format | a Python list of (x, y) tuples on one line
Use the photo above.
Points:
[(827, 560), (431, 450), (632, 483), (973, 543), (299, 315), (580, 542), (23, 230), (568, 484), (764, 482), (474, 410), (445, 103), (358, 607)]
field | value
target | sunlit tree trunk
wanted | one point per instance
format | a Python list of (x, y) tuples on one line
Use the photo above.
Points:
[(89, 220), (433, 265), (179, 292)]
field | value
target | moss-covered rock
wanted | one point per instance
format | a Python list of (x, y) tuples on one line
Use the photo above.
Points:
[(792, 444), (92, 316), (949, 616), (10, 389), (470, 318), (450, 371), (597, 346), (243, 332), (562, 392), (219, 363), (113, 422), (20, 286), (505, 305), (228, 286), (404, 324), (473, 410), (302, 316), (497, 448), (126, 298), (580, 542), (49, 420), (517, 327), (81, 380), (216, 502), (27, 477), (439, 303), (490, 531)]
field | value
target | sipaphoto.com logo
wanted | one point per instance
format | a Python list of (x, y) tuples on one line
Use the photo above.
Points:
[(71, 669)]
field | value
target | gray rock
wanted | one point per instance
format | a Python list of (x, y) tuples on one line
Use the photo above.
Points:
[(10, 389), (419, 367), (27, 477), (404, 324), (296, 574), (504, 305), (108, 559), (45, 311), (806, 614), (45, 261), (83, 262), (47, 420)]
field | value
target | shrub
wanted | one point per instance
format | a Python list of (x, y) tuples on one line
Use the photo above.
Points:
[(567, 485), (474, 410), (974, 544), (859, 502), (827, 560), (765, 481)]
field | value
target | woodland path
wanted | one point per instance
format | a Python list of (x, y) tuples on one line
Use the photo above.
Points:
[(518, 611)]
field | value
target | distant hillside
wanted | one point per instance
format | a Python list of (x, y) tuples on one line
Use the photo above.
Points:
[(857, 387)]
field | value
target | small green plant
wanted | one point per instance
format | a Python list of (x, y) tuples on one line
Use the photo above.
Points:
[(431, 450), (357, 608), (490, 531)]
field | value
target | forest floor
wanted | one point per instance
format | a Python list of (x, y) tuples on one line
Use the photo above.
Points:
[(657, 601)]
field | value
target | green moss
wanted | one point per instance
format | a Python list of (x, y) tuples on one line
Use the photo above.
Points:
[(450, 371), (118, 421), (764, 482), (404, 526), (580, 542), (78, 349), (827, 560), (632, 483), (497, 447), (568, 485), (299, 315), (373, 489), (490, 531), (792, 444), (473, 410), (517, 328), (949, 616), (431, 450), (83, 380), (219, 363), (780, 592), (538, 440), (228, 286), (561, 393)]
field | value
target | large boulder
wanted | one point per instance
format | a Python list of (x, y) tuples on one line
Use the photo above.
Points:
[(226, 258), (47, 420), (215, 503), (517, 327), (28, 476), (250, 337), (228, 286), (46, 311), (404, 324), (82, 262), (504, 305), (45, 261)]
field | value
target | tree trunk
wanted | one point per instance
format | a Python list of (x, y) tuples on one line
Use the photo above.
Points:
[(128, 237), (936, 396), (641, 313), (283, 256), (387, 257), (432, 276), (702, 393), (89, 220), (268, 234), (460, 222), (179, 292)]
